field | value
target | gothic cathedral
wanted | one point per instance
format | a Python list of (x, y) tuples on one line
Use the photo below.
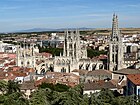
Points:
[(115, 47)]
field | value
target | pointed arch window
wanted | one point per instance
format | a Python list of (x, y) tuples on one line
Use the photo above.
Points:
[(63, 62), (58, 62), (28, 62)]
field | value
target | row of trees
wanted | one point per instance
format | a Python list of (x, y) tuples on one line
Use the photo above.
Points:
[(56, 51), (93, 53), (53, 51), (75, 96), (49, 94)]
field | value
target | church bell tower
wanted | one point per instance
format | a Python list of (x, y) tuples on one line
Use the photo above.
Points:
[(115, 47)]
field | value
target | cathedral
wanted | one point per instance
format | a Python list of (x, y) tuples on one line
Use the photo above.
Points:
[(122, 54), (115, 47), (26, 55), (75, 54), (74, 57)]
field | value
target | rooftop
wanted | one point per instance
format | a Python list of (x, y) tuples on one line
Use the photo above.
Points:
[(99, 85), (127, 71), (99, 72), (135, 78), (27, 85)]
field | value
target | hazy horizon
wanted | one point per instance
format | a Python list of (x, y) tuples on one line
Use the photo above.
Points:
[(54, 14)]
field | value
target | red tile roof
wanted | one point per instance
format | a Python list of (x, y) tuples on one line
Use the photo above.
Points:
[(99, 85), (135, 78)]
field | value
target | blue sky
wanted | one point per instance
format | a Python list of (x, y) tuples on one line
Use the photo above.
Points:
[(27, 14)]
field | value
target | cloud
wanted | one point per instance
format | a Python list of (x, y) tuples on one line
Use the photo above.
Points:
[(131, 5), (98, 15), (9, 7)]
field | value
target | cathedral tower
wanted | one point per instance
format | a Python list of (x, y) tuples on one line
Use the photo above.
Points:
[(72, 47), (115, 47), (26, 55)]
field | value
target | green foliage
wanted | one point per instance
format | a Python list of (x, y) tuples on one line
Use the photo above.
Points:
[(40, 97), (47, 85), (83, 32), (59, 94), (106, 96), (56, 51), (3, 86), (11, 94), (93, 53), (13, 87), (53, 51), (58, 87), (16, 98)]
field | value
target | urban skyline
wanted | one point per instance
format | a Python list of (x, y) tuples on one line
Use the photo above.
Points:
[(28, 14)]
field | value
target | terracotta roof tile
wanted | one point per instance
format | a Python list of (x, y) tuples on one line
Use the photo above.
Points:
[(135, 78), (99, 85)]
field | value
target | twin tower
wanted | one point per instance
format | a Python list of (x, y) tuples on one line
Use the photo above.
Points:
[(74, 49)]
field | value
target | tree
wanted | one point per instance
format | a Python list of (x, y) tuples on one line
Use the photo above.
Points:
[(13, 87), (93, 53), (61, 87), (40, 97), (17, 98), (70, 97), (53, 51), (106, 96), (3, 86), (57, 87)]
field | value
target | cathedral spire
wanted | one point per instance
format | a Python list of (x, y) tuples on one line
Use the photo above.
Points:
[(115, 46), (114, 24), (64, 46), (115, 36)]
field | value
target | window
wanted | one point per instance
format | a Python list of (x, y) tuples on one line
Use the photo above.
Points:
[(63, 70), (21, 63), (58, 62), (28, 63), (139, 92), (63, 62), (70, 46), (70, 53)]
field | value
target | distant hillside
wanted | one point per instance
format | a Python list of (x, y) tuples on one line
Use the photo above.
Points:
[(47, 29)]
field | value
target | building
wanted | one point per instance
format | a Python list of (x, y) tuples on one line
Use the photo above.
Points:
[(120, 78), (115, 47), (74, 57), (123, 51), (28, 88), (7, 48), (94, 87), (133, 84), (26, 55), (92, 76)]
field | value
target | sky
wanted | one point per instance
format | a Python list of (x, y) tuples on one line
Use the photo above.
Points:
[(27, 14)]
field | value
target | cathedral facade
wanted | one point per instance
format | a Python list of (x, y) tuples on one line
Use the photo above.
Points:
[(74, 57), (122, 54), (26, 55)]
